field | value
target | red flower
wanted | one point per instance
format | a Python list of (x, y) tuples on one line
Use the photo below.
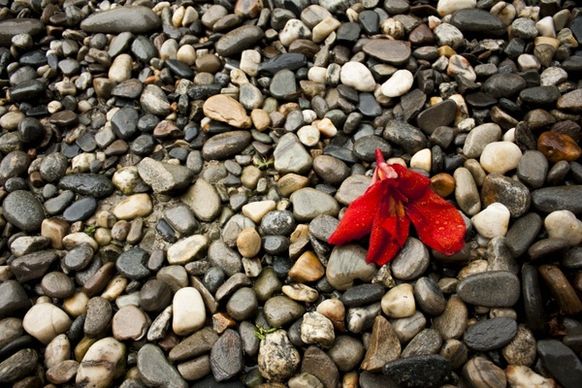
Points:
[(396, 197)]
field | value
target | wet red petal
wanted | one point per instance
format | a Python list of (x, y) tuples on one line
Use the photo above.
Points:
[(438, 223), (389, 232), (409, 183), (357, 220)]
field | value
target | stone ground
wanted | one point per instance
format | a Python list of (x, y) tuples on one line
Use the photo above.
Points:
[(171, 171)]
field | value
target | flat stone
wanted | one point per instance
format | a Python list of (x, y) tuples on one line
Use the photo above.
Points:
[(12, 27), (122, 19), (226, 358), (23, 210), (491, 289), (504, 85), (32, 266), (490, 334), (155, 370), (164, 177), (384, 346), (478, 21), (13, 298), (441, 114), (317, 363), (226, 145), (549, 199), (309, 203), (346, 264), (227, 110), (291, 156), (237, 40), (561, 362), (95, 185), (17, 366), (203, 199), (394, 52)]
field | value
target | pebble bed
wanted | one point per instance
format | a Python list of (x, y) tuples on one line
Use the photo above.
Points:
[(171, 171)]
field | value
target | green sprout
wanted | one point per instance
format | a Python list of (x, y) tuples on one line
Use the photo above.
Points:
[(261, 332)]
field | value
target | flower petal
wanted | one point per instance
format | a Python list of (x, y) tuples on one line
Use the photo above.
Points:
[(389, 232), (409, 183), (438, 223), (358, 218)]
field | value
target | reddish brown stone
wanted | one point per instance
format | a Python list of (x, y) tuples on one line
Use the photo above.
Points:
[(558, 146)]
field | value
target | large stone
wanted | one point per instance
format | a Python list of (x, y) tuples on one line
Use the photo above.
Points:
[(490, 289), (23, 210), (164, 177), (155, 370), (239, 39), (309, 203), (12, 27), (226, 109), (45, 321), (346, 264), (226, 145), (102, 363), (122, 19), (203, 200), (384, 346), (277, 359)]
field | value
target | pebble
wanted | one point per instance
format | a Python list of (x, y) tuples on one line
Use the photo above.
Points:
[(491, 289), (226, 359), (189, 313), (411, 262), (155, 370), (346, 264), (399, 302), (122, 19), (358, 76), (398, 84), (481, 371), (203, 200), (187, 249), (317, 329), (45, 329), (493, 221), (383, 346), (490, 334), (278, 359), (560, 361), (563, 224), (309, 203), (23, 210), (134, 206)]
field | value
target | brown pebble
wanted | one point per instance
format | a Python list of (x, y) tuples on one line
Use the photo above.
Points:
[(307, 268), (558, 146), (443, 184), (561, 289)]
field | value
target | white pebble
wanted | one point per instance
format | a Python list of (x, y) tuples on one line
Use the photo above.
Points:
[(564, 225), (308, 135), (493, 221), (189, 313), (358, 76), (445, 7), (422, 160), (399, 84), (399, 302), (500, 157)]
